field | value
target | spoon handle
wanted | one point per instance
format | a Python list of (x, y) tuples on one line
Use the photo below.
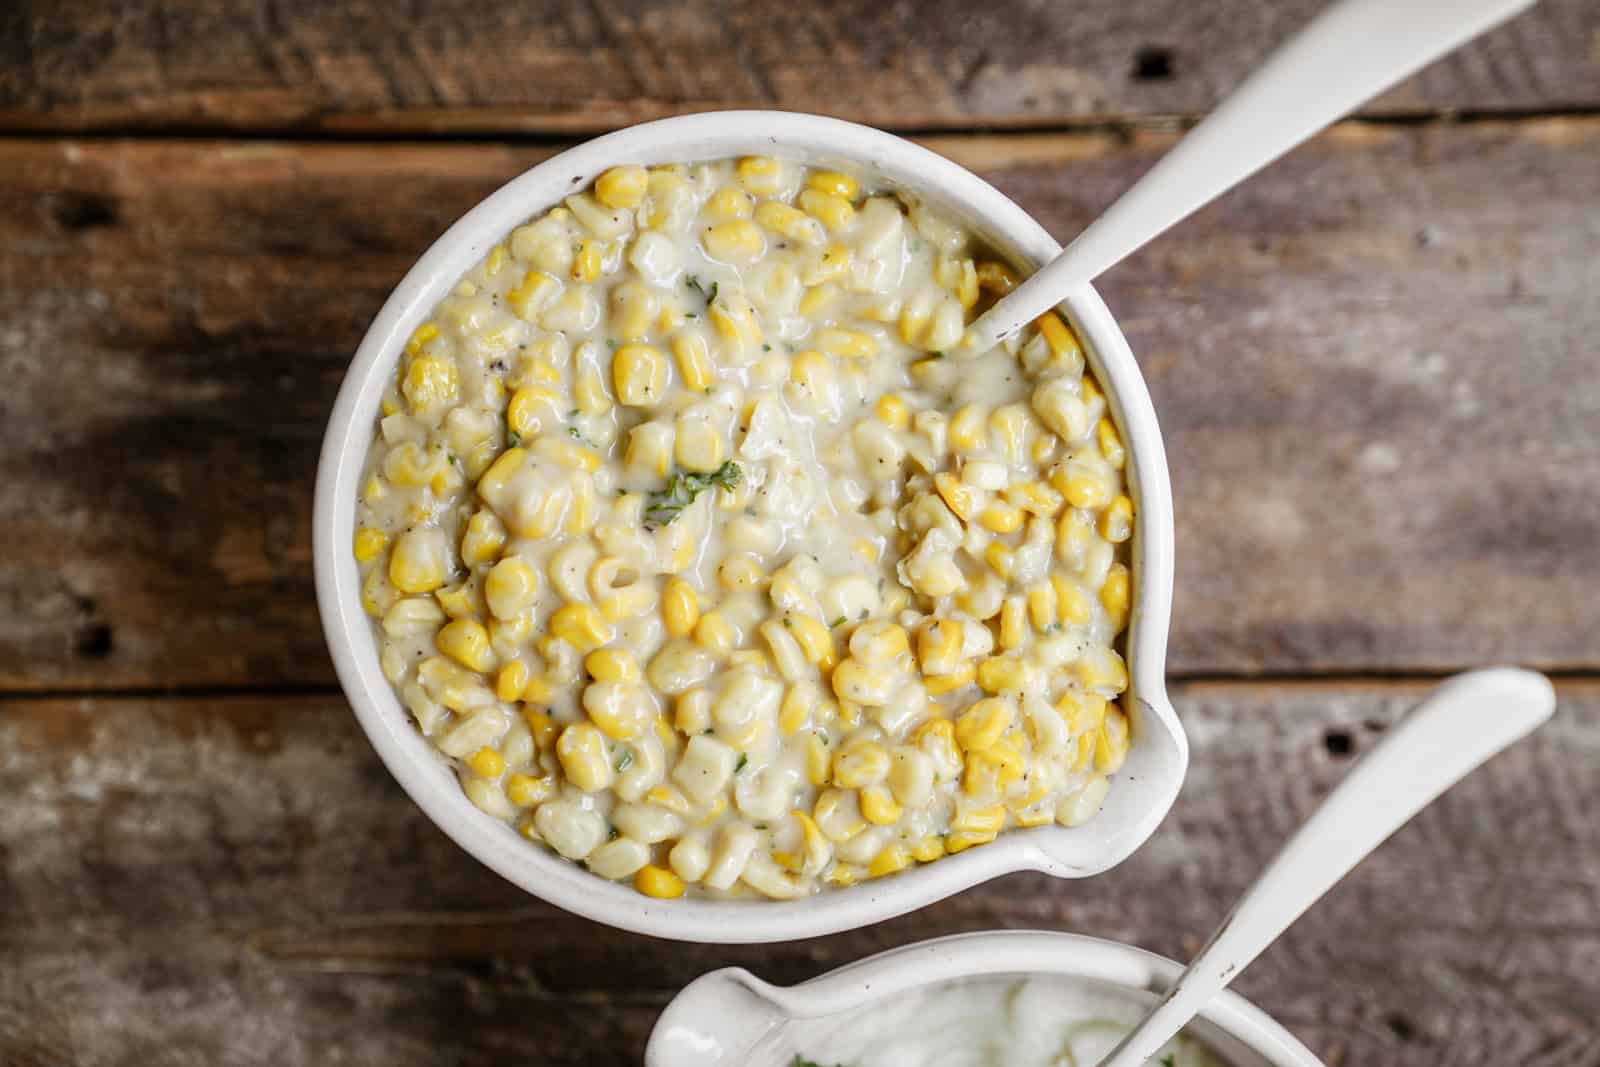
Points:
[(1462, 723), (1348, 54)]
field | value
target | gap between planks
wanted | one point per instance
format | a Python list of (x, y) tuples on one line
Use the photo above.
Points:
[(1124, 126)]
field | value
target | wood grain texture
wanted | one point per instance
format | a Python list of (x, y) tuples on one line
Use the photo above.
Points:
[(238, 881), (1374, 368), (548, 65)]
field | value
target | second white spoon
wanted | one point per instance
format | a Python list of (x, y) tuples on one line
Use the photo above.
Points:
[(1464, 722), (1347, 55)]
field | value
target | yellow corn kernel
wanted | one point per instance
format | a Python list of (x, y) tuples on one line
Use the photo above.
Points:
[(512, 681), (879, 807), (698, 445), (740, 573), (842, 876), (983, 724), (1013, 623), (847, 344), (964, 284), (1001, 518), (938, 685), (790, 222), (998, 674), (1057, 334), (818, 298), (761, 175), (658, 882), (421, 336), (715, 632), (1103, 669), (729, 204), (1042, 606), (486, 763), (928, 849), (374, 490), (961, 498), (1111, 448), (739, 241), (533, 410), (466, 642), (430, 382), (937, 738), (893, 411), (924, 369), (938, 643), (571, 456), (589, 392), (580, 626), (1000, 558), (525, 791), (996, 277), (868, 550), (1082, 488), (895, 857), (369, 543), (815, 639), (639, 373), (622, 187), (1116, 521), (457, 601), (968, 429), (961, 840), (994, 768), (612, 665), (860, 763), (483, 539), (1072, 605), (693, 357), (544, 729), (587, 264), (680, 608), (833, 211), (510, 587), (1114, 595), (795, 712), (530, 295), (584, 757), (832, 183), (1010, 425), (985, 820), (1111, 742), (817, 760), (878, 641)]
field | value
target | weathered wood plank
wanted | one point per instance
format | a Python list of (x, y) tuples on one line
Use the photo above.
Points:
[(1376, 381), (455, 65), (238, 881)]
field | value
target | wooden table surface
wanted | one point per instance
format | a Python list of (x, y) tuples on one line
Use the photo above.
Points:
[(1375, 365)]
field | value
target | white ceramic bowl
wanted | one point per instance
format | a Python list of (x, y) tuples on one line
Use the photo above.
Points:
[(1142, 792), (731, 1018)]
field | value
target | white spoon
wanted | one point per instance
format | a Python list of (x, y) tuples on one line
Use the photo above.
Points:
[(730, 1018), (1464, 722), (1348, 54)]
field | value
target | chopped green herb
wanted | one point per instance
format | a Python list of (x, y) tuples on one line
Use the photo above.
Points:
[(681, 490), (572, 431), (840, 621), (611, 342), (801, 1061), (766, 348), (744, 758), (624, 760), (693, 282), (572, 414), (612, 833), (1169, 1060), (712, 299)]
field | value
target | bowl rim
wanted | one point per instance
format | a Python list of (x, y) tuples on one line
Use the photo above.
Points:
[(1146, 786), (958, 957)]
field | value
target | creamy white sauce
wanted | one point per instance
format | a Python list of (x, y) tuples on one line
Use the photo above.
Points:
[(990, 1022)]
